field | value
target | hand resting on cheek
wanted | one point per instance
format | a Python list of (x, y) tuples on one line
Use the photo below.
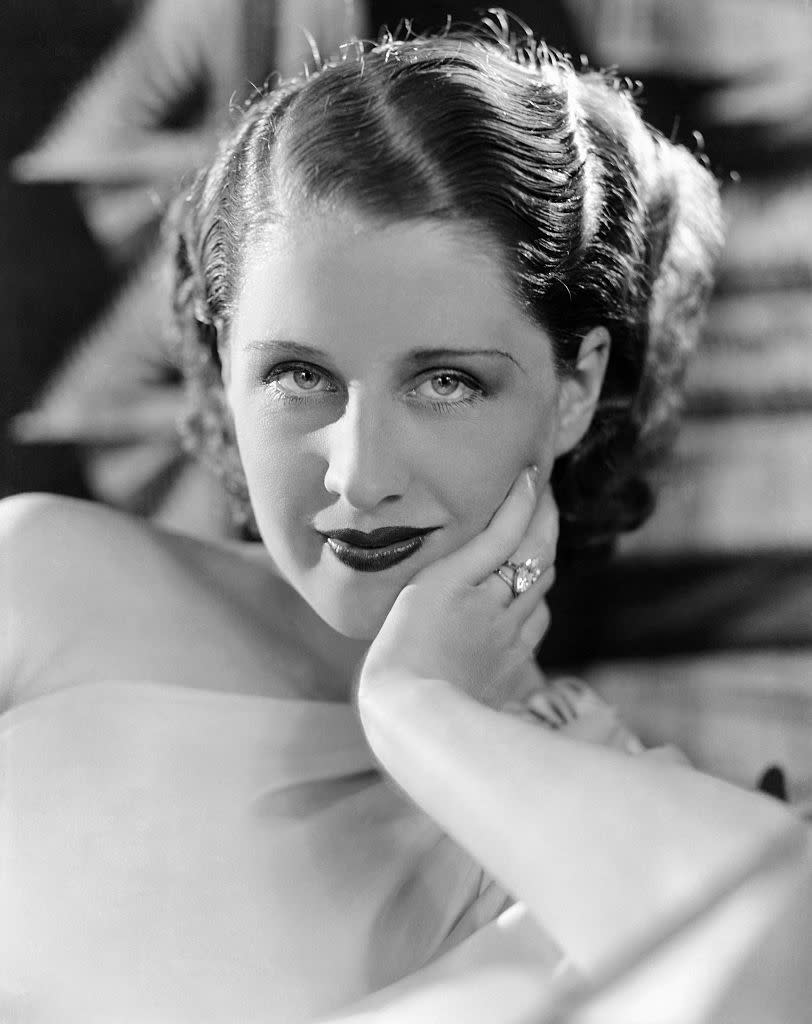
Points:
[(457, 620)]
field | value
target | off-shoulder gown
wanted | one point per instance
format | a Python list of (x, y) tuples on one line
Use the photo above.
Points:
[(178, 855)]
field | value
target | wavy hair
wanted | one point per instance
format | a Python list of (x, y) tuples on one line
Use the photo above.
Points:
[(595, 217)]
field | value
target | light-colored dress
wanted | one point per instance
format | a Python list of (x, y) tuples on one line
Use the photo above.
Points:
[(177, 855)]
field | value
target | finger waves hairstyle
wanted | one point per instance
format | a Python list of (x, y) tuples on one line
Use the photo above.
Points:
[(595, 218)]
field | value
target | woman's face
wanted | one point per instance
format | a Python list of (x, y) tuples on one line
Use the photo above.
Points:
[(380, 377)]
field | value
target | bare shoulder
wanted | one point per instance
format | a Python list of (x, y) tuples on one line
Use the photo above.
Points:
[(50, 534), (35, 517), (45, 537), (89, 592)]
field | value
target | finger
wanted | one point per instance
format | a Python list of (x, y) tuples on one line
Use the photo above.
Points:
[(521, 607), (541, 537), (477, 559), (499, 587), (539, 542), (517, 609), (535, 627), (565, 701), (560, 706)]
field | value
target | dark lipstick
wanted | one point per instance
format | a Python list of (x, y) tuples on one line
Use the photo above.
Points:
[(380, 549)]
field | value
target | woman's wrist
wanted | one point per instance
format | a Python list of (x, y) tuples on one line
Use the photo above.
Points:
[(386, 698)]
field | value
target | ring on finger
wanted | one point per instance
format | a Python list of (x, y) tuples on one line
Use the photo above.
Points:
[(520, 576)]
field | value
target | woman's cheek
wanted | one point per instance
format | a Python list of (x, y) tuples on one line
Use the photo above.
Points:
[(280, 477), (271, 460), (510, 454), (484, 469)]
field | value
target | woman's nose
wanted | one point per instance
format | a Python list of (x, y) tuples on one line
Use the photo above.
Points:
[(364, 464)]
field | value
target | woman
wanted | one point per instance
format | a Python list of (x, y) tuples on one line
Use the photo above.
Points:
[(403, 280)]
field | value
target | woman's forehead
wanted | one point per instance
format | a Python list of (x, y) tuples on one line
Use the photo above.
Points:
[(319, 244), (410, 283)]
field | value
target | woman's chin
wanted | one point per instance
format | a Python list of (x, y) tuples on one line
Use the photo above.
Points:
[(354, 623), (354, 604)]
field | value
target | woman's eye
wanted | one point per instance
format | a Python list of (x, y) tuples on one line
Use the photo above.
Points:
[(448, 388), (443, 390), (298, 381)]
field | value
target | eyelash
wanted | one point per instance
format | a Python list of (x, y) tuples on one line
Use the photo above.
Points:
[(270, 379)]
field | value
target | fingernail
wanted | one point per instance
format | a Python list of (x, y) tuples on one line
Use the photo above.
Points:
[(533, 476)]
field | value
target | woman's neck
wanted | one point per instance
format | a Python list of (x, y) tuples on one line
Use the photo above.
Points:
[(338, 657)]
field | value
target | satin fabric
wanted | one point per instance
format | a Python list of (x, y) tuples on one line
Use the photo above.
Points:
[(180, 855)]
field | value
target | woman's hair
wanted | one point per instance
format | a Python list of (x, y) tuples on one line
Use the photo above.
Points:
[(595, 218)]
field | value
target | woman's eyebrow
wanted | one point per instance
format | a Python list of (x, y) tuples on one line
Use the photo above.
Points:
[(283, 347), (414, 356), (424, 355)]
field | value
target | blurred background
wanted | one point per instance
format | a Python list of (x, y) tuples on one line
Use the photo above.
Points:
[(701, 630)]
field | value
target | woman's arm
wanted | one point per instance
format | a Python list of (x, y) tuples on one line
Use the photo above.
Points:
[(599, 845), (744, 936)]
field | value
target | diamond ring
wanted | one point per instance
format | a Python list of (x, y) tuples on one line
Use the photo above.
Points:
[(520, 576)]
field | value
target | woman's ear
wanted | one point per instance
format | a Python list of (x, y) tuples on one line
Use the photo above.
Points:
[(581, 388), (224, 355)]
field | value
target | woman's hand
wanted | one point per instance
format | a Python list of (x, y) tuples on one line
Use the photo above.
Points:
[(458, 621)]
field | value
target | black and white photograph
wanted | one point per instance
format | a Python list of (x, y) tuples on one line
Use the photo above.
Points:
[(406, 512)]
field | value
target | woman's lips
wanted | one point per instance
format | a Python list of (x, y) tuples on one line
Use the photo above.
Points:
[(356, 551)]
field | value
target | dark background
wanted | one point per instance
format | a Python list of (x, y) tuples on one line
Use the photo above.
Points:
[(54, 279)]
